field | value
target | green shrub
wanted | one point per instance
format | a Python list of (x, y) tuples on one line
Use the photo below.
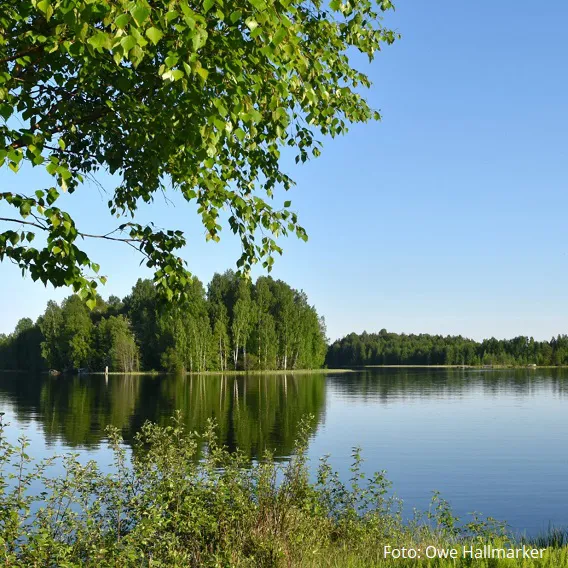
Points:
[(180, 499)]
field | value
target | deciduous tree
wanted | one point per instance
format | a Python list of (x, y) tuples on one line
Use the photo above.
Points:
[(195, 96)]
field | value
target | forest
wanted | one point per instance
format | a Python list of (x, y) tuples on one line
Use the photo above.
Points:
[(386, 348), (234, 324)]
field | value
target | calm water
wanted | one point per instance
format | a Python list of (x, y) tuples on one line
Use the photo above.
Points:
[(495, 442)]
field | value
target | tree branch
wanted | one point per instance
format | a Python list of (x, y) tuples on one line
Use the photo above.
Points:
[(106, 237), (20, 54), (24, 223)]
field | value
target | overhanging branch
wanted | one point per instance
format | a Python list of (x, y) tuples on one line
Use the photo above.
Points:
[(106, 237)]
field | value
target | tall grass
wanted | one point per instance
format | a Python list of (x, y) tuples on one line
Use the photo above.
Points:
[(172, 503), (555, 537)]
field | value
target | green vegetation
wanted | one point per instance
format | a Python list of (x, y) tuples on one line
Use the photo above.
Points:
[(193, 97), (162, 506), (234, 325), (385, 348)]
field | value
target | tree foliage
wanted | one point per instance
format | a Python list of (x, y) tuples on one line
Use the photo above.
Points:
[(214, 330), (197, 96), (386, 348), (115, 344)]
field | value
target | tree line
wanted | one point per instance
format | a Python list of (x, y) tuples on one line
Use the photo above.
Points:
[(386, 348), (234, 324)]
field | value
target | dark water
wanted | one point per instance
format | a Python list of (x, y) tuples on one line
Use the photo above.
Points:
[(495, 442)]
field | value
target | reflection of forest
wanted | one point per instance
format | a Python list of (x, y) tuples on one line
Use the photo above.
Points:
[(388, 383), (254, 413)]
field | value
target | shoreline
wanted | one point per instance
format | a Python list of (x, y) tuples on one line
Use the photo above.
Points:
[(226, 373), (341, 370), (480, 367)]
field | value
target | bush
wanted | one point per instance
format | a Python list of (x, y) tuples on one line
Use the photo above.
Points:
[(181, 499)]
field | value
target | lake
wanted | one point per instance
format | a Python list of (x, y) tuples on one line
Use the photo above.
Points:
[(491, 441)]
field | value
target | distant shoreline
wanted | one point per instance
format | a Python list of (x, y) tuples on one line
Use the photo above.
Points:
[(482, 367), (342, 370)]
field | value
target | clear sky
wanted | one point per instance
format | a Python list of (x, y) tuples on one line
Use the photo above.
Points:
[(449, 216)]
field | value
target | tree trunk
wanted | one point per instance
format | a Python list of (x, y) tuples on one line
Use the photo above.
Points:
[(295, 359), (236, 351), (259, 347)]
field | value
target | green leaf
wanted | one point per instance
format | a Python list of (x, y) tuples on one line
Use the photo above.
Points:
[(279, 36), (251, 24), (203, 73), (173, 75), (287, 203), (45, 7), (140, 13), (207, 5), (122, 21), (100, 40), (199, 39), (171, 15), (154, 34), (25, 209), (6, 110), (127, 42), (258, 4)]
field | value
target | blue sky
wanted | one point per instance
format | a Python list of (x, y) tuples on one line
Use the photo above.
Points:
[(449, 216)]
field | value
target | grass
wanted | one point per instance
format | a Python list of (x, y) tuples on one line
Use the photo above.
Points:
[(179, 499), (555, 537), (361, 558)]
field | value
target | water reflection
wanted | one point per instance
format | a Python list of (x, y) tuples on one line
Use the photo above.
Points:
[(387, 384), (490, 440), (254, 413)]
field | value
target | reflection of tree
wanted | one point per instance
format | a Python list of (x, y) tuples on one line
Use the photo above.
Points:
[(253, 413), (22, 392), (388, 383), (78, 409), (266, 411)]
